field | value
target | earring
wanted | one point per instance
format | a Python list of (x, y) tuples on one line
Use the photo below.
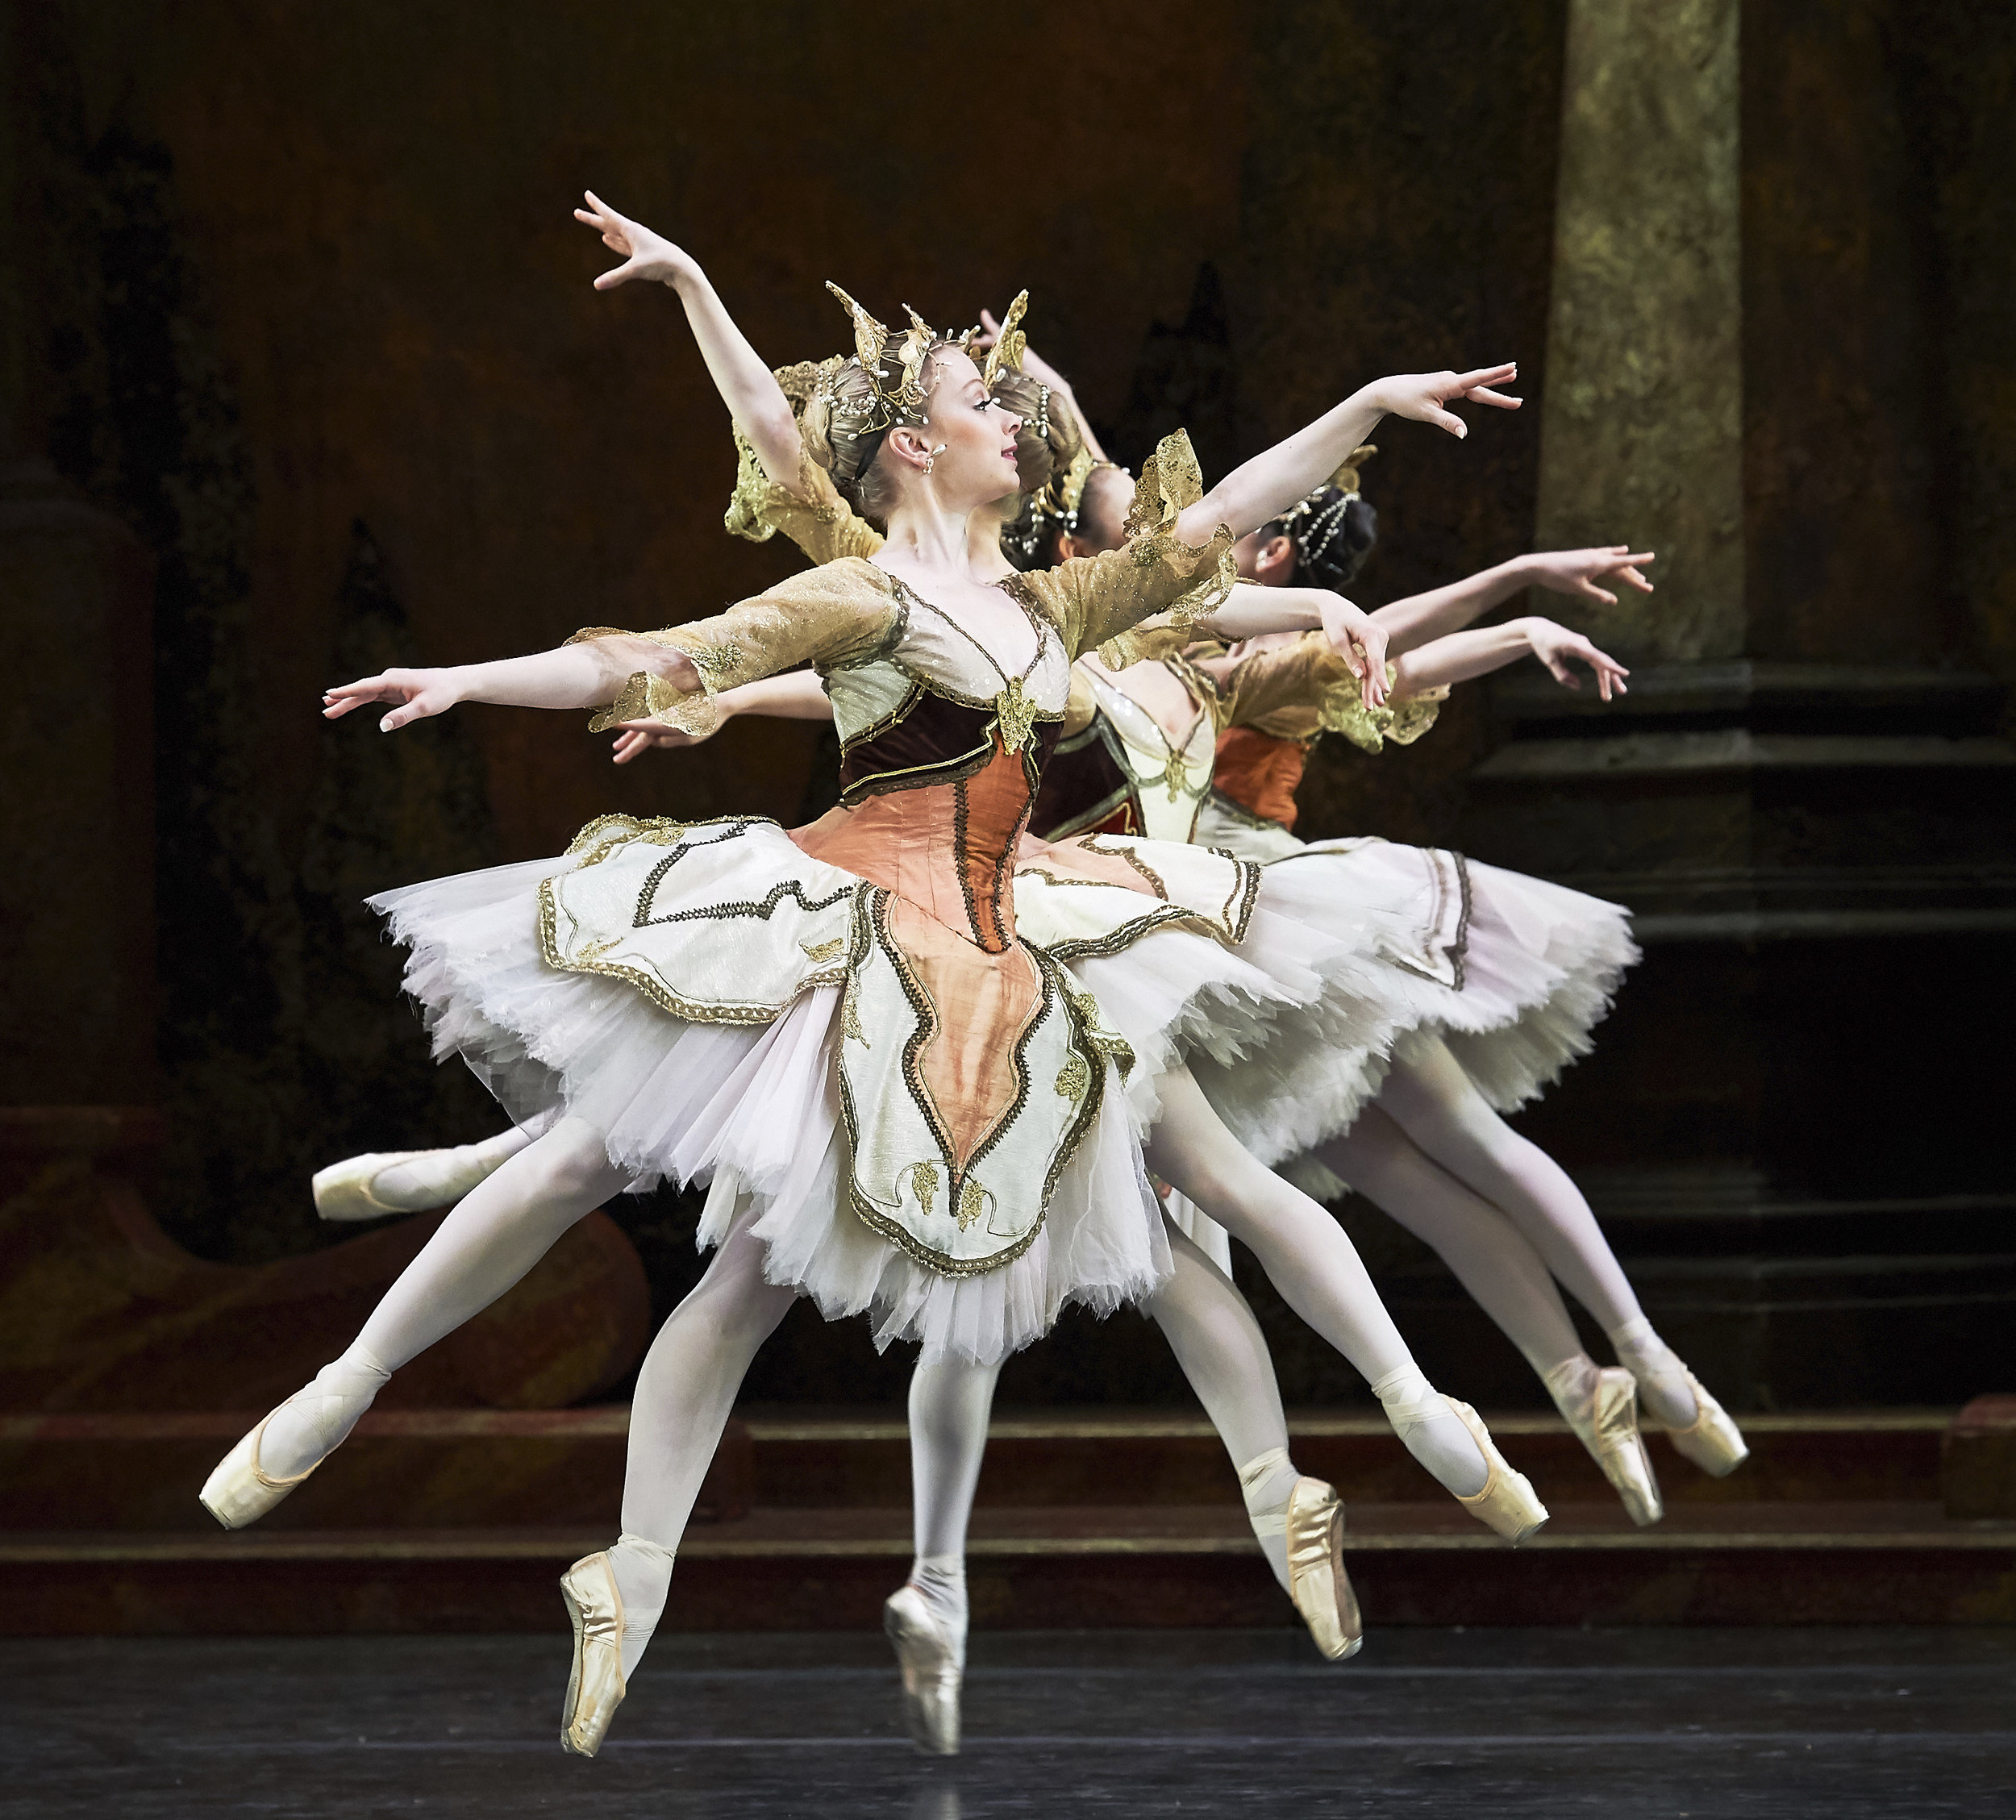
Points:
[(933, 456)]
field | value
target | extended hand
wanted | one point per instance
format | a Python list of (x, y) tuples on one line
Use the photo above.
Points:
[(1576, 572), (1361, 642), (1422, 396), (1555, 645), (638, 736), (419, 694), (646, 255)]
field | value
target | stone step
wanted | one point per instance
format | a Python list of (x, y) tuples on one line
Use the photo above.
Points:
[(427, 1469), (1078, 1566)]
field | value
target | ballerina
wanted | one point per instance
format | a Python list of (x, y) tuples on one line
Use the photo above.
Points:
[(1099, 781), (1207, 1321), (904, 1106), (1436, 1145)]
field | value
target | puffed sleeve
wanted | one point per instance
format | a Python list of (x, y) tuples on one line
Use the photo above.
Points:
[(824, 616), (1094, 600), (1298, 690), (811, 513)]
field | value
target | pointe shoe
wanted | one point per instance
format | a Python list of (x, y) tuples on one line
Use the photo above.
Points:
[(595, 1686), (238, 1492), (1316, 1581), (1608, 1429), (1508, 1502), (1712, 1441), (343, 1191), (931, 1675)]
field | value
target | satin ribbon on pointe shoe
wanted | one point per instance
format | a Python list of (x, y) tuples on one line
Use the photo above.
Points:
[(931, 1675), (1712, 1441), (1508, 1502), (237, 1493), (343, 1190), (595, 1684)]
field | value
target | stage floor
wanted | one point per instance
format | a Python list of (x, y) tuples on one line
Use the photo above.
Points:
[(1718, 1724)]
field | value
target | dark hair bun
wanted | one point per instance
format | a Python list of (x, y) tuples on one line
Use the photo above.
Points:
[(1333, 538)]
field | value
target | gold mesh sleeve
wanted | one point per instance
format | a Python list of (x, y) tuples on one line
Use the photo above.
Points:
[(1148, 642), (1096, 600), (811, 513), (1296, 690), (824, 616)]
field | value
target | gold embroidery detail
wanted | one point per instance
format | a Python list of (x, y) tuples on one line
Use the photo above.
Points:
[(1104, 1043), (1014, 713), (850, 1015), (973, 1203), (824, 951), (1073, 1078), (1176, 775), (923, 1181)]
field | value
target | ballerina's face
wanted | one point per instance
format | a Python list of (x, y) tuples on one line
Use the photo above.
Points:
[(977, 466)]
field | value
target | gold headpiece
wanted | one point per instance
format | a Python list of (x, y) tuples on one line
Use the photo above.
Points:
[(1010, 344), (1345, 479), (895, 393)]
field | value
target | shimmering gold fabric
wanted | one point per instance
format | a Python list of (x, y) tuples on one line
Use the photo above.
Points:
[(1094, 600), (812, 514), (832, 614), (1296, 690)]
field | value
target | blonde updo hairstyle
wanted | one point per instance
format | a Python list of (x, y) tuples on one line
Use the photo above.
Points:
[(842, 396)]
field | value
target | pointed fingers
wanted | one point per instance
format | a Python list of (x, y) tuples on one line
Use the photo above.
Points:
[(1488, 376), (1484, 395)]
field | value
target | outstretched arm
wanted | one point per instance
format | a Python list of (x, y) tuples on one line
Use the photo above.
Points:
[(752, 395), (576, 676), (1411, 623), (1356, 636), (1460, 657), (1260, 489), (797, 696)]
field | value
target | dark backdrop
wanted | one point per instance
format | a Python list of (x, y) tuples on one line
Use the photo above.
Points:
[(292, 293)]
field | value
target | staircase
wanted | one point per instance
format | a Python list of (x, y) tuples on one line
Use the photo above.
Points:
[(461, 1520)]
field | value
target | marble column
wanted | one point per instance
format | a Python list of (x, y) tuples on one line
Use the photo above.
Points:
[(1791, 1122)]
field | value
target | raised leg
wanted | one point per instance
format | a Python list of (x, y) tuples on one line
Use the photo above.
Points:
[(1438, 1106), (486, 1245), (1317, 1272), (1506, 1277)]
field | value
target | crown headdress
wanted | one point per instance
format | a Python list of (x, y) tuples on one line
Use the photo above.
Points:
[(1010, 344), (894, 371)]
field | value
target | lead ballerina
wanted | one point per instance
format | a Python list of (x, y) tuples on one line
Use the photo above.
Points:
[(902, 1108)]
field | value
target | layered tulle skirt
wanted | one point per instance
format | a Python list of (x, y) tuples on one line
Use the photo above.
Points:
[(708, 1000)]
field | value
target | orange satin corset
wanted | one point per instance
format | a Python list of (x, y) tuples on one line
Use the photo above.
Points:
[(949, 848), (1261, 772)]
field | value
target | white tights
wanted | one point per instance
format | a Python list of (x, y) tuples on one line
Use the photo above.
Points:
[(1438, 1106), (690, 1376), (1219, 1346), (1314, 1268), (493, 1238)]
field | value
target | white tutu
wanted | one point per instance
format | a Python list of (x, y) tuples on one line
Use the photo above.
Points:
[(754, 1108)]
